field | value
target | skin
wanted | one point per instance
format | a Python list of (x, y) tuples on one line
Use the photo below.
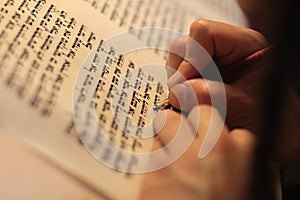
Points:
[(226, 173), (273, 18), (230, 161), (226, 44)]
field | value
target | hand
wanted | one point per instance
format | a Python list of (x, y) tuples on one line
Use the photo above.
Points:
[(227, 45), (226, 173)]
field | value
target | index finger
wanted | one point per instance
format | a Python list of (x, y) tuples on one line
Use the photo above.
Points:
[(176, 54), (225, 43)]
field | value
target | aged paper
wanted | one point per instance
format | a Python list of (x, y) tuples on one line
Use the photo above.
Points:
[(43, 44), (42, 47)]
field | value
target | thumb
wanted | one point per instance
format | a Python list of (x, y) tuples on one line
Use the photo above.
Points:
[(186, 95)]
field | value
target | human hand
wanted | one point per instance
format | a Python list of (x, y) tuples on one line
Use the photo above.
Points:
[(227, 45), (225, 173)]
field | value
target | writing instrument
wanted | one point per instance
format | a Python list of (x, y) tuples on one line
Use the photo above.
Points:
[(165, 104), (229, 72)]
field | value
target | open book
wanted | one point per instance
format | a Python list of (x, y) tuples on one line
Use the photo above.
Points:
[(44, 47)]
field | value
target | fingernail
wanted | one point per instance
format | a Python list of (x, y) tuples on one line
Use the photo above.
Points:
[(175, 79), (170, 71), (197, 55), (180, 91)]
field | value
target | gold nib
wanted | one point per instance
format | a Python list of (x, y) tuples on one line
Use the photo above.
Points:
[(164, 104)]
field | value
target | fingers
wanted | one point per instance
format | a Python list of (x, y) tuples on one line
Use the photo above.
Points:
[(212, 135), (206, 130), (161, 126), (169, 124), (237, 103), (202, 129), (239, 108), (204, 123), (227, 44), (209, 127), (243, 140), (227, 160), (176, 54), (186, 95)]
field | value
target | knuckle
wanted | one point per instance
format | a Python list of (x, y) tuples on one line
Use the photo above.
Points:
[(200, 26), (177, 45), (203, 93), (243, 140), (174, 43), (256, 38)]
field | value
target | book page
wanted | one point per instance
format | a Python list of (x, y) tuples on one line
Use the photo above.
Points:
[(172, 14), (227, 11), (43, 45), (26, 175)]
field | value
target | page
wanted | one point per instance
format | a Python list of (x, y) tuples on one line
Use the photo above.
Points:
[(26, 175), (43, 44), (173, 14), (227, 11)]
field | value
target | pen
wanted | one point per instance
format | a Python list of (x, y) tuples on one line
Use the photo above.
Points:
[(235, 70), (229, 73), (163, 105)]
